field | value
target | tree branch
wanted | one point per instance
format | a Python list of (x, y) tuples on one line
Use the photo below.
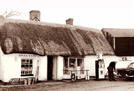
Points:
[(11, 13)]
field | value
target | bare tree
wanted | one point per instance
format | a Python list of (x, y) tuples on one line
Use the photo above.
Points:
[(10, 14)]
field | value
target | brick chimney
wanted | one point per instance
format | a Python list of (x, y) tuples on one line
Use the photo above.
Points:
[(69, 21), (35, 15)]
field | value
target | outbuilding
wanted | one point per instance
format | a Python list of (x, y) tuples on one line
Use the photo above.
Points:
[(121, 40)]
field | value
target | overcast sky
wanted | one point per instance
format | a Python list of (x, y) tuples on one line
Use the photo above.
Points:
[(88, 13)]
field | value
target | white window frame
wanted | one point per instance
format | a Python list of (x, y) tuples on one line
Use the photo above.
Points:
[(67, 67), (26, 67)]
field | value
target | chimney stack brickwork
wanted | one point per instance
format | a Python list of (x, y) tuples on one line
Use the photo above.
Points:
[(69, 21), (35, 15)]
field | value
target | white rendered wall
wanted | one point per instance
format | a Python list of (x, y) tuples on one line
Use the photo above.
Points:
[(57, 68), (60, 68), (12, 66), (1, 65), (54, 74), (89, 63), (43, 69)]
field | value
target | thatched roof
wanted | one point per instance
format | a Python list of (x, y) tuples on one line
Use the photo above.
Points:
[(114, 32), (17, 36)]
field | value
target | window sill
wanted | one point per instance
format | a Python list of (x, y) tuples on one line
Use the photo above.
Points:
[(27, 75)]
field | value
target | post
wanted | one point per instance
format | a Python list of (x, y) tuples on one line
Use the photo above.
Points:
[(25, 81), (87, 76)]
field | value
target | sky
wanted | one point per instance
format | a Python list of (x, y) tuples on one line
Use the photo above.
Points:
[(88, 13)]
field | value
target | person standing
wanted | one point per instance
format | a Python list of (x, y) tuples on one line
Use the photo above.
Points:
[(111, 69)]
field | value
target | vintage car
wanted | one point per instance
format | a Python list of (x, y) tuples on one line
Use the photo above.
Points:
[(126, 71)]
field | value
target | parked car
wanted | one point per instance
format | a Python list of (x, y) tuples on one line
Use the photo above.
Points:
[(127, 71)]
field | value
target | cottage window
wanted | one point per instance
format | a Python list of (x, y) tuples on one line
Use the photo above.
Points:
[(73, 64), (26, 67), (79, 62)]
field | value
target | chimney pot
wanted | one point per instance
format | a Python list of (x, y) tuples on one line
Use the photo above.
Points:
[(69, 21), (35, 15)]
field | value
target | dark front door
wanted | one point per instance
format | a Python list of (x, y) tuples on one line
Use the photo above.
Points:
[(50, 67)]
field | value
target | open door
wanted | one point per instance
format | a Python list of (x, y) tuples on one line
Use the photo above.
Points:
[(50, 67)]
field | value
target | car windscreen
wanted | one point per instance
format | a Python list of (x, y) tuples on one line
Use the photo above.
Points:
[(131, 65)]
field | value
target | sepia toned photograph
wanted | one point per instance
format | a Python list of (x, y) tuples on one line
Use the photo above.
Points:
[(67, 45)]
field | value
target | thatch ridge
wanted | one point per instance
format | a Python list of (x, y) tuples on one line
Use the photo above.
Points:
[(19, 36)]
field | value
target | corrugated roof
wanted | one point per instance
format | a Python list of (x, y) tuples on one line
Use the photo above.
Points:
[(119, 32), (21, 36)]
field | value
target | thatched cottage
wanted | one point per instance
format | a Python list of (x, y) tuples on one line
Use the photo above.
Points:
[(49, 51)]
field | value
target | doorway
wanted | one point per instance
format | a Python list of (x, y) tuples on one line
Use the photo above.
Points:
[(50, 68)]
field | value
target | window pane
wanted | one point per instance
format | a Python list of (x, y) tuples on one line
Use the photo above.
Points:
[(27, 61), (79, 62), (22, 65), (23, 61), (31, 65), (26, 67), (72, 63), (31, 62), (66, 63)]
